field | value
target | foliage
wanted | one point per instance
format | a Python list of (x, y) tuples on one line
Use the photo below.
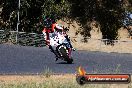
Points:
[(47, 72), (32, 13), (109, 14)]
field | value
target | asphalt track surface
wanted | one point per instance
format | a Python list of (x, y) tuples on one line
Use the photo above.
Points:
[(34, 60)]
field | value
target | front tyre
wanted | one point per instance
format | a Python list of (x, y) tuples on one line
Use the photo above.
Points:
[(69, 61), (64, 52)]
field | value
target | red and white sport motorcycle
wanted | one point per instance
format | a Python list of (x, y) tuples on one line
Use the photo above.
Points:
[(62, 46)]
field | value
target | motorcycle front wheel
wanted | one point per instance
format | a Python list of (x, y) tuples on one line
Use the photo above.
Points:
[(64, 51)]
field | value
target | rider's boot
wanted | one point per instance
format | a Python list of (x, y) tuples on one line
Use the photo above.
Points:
[(56, 59), (52, 50)]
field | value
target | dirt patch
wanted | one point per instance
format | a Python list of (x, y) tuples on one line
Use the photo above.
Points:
[(123, 45), (32, 78)]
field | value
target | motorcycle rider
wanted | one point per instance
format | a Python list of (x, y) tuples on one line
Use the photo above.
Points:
[(51, 33)]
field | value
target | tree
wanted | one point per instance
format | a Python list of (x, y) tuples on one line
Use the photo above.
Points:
[(110, 14), (32, 13)]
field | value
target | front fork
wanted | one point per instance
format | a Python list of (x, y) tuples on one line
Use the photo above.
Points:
[(68, 49), (69, 52)]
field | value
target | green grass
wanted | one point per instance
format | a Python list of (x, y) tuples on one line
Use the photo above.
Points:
[(47, 72)]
